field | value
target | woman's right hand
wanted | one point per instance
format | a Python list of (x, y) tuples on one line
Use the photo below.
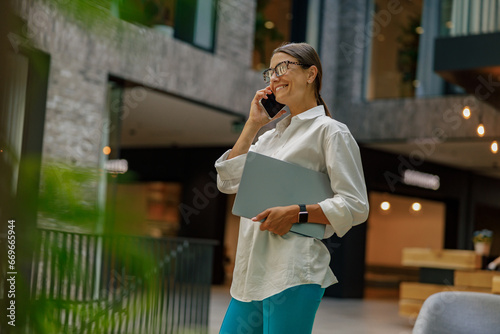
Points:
[(258, 116), (257, 119)]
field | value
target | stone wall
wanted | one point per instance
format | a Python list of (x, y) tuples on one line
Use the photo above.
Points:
[(235, 30), (85, 53), (82, 58)]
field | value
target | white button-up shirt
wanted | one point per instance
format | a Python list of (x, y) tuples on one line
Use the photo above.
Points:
[(267, 264)]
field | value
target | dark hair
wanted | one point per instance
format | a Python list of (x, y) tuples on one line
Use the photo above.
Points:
[(305, 54)]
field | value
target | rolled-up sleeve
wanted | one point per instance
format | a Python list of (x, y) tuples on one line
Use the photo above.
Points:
[(229, 172), (349, 206)]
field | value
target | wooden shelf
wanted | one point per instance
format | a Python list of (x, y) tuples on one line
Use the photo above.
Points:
[(496, 284), (442, 259), (478, 279), (419, 291), (464, 265)]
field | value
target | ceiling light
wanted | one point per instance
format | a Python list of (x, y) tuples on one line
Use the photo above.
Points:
[(466, 112), (422, 180), (385, 205), (494, 147), (480, 130), (116, 166), (416, 206)]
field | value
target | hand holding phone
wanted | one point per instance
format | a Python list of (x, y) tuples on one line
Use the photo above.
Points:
[(271, 106)]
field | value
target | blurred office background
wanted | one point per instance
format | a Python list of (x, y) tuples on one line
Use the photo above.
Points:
[(139, 98)]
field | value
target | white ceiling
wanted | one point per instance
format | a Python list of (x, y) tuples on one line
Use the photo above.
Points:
[(162, 120), (473, 155)]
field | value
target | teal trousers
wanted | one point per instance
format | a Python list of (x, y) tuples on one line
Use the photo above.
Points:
[(291, 311)]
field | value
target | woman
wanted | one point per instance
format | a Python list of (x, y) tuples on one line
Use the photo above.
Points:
[(279, 278)]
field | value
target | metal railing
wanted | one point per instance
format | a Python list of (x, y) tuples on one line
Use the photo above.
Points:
[(88, 283)]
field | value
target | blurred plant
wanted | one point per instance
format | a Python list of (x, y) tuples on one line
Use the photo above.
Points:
[(64, 196), (96, 15), (485, 236), (68, 297), (113, 271), (144, 12), (91, 15), (95, 283)]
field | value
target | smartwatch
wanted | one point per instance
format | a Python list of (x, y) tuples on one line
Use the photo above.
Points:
[(303, 214)]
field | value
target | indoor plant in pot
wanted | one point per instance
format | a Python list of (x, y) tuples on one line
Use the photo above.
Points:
[(482, 241)]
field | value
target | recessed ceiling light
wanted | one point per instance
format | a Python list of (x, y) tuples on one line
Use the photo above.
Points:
[(466, 112), (416, 206), (494, 147), (480, 130)]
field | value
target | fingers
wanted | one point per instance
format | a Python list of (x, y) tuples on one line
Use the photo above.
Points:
[(263, 93), (261, 216), (267, 90), (273, 221)]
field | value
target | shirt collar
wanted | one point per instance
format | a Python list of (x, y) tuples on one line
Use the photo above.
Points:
[(312, 113), (308, 114)]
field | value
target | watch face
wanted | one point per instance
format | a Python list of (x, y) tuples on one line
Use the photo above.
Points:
[(303, 214)]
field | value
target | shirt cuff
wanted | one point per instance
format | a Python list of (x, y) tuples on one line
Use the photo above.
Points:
[(230, 169), (338, 215)]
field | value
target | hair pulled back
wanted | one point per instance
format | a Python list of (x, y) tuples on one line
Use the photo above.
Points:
[(305, 54)]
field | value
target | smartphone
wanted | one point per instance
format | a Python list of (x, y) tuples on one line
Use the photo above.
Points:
[(271, 106)]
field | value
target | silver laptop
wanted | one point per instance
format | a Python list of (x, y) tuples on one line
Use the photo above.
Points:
[(268, 182)]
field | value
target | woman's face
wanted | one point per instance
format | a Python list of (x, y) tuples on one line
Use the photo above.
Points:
[(292, 85)]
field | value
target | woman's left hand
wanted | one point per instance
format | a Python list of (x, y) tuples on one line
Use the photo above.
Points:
[(278, 220)]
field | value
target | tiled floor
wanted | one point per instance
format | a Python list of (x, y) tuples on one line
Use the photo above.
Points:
[(345, 316)]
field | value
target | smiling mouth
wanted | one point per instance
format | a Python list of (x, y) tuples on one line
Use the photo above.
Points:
[(280, 87)]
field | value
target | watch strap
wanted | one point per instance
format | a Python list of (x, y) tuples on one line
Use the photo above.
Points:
[(303, 214)]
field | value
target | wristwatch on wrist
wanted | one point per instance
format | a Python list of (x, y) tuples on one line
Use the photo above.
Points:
[(303, 214)]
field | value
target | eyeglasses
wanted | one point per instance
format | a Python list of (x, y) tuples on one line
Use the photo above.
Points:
[(279, 69)]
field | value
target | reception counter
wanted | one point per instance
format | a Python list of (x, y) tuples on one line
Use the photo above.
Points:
[(443, 270)]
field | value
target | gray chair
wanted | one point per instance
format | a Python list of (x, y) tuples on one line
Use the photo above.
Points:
[(458, 312)]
